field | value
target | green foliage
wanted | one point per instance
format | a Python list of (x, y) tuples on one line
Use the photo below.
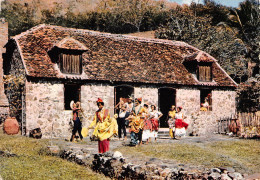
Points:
[(19, 17), (249, 97), (114, 16), (220, 31), (14, 89)]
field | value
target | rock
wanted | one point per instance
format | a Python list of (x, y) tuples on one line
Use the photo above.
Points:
[(108, 154), (85, 150), (7, 154), (151, 167), (224, 176), (214, 175), (117, 154), (75, 148), (155, 177), (54, 150), (79, 152), (165, 172), (253, 176), (205, 176), (235, 175), (35, 133), (215, 170), (97, 156), (79, 159), (175, 171), (153, 159), (230, 169)]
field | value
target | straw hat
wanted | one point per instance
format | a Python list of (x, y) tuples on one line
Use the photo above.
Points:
[(71, 104)]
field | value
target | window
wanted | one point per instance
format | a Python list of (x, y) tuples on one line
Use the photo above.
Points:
[(70, 63), (71, 93), (206, 100), (204, 72)]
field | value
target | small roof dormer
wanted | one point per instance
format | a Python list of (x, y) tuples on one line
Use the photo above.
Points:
[(200, 65), (70, 43), (67, 54)]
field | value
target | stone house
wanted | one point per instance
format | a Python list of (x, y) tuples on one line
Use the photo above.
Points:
[(58, 64)]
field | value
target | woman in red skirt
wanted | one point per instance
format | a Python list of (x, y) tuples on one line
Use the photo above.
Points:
[(180, 125), (105, 127)]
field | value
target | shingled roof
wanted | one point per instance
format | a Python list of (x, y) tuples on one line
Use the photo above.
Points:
[(114, 57)]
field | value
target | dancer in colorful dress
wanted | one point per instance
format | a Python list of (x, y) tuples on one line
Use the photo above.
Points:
[(171, 121), (147, 129), (105, 127), (155, 117), (180, 125), (136, 123)]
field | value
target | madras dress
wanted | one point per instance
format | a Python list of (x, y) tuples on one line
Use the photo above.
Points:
[(180, 125), (136, 124), (105, 128), (155, 122), (171, 123), (147, 128)]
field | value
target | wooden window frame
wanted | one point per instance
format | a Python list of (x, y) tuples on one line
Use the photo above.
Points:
[(70, 62), (207, 92), (69, 90), (205, 76)]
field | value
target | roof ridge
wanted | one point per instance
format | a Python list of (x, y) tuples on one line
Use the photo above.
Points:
[(120, 36), (28, 31)]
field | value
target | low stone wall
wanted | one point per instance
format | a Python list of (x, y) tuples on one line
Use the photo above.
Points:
[(114, 165)]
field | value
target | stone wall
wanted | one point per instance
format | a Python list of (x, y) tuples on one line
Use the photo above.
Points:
[(205, 123), (89, 95), (4, 106), (223, 106), (148, 94), (45, 109), (189, 99), (45, 106)]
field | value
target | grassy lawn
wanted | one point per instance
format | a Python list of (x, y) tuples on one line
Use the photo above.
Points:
[(33, 162), (243, 155)]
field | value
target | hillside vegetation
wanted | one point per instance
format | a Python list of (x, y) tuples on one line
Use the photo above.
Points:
[(231, 35)]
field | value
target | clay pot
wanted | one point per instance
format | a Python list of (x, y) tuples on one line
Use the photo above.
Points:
[(11, 126)]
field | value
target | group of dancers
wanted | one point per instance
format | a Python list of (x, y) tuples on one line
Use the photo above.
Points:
[(143, 122)]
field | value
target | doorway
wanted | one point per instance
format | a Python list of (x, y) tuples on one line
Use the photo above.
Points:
[(123, 92), (166, 100)]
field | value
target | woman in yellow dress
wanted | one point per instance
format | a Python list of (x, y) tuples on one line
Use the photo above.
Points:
[(171, 121), (105, 127)]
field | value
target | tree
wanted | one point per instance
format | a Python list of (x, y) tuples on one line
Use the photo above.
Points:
[(19, 17)]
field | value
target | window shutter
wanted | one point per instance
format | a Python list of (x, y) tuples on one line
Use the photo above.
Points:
[(70, 63), (208, 73), (201, 73), (204, 73)]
